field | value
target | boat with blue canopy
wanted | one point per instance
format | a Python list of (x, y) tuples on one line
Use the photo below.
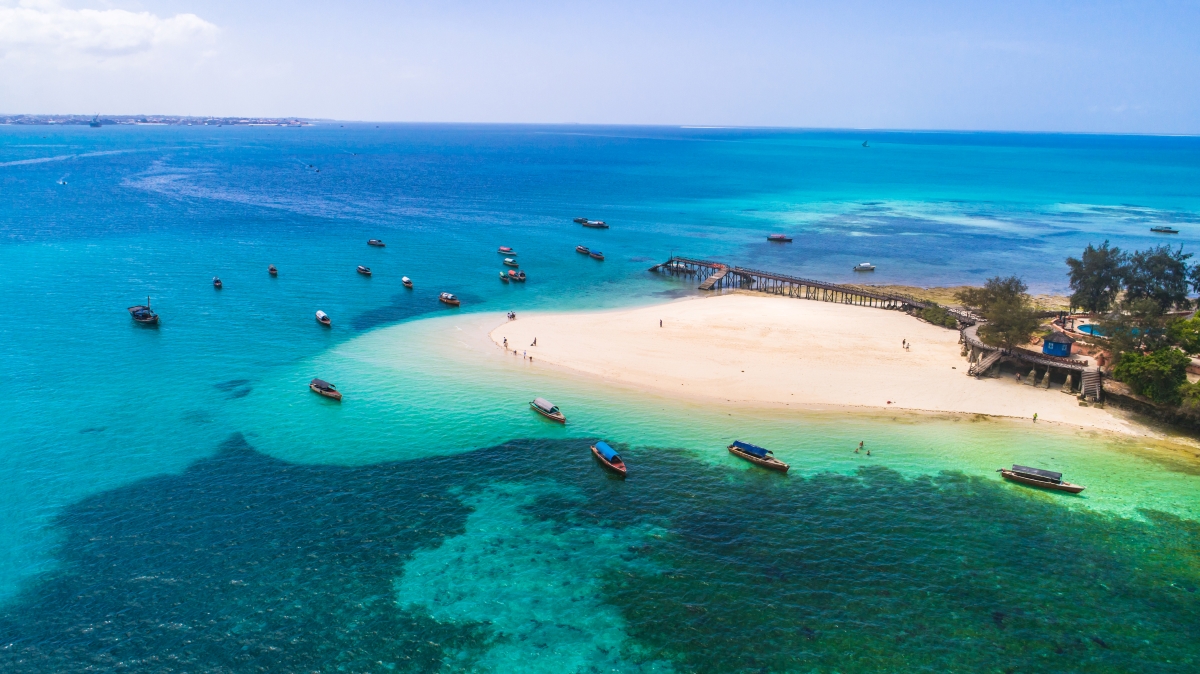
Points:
[(760, 456), (608, 457)]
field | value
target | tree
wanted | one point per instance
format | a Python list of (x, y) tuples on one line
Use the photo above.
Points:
[(1158, 375), (1005, 304), (1136, 325), (1159, 274), (1186, 335), (1096, 278)]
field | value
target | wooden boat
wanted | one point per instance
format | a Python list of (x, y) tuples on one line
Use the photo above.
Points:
[(324, 388), (1036, 477), (583, 250), (1164, 230), (376, 242), (757, 455), (518, 277), (143, 314), (406, 281), (864, 266), (596, 255), (323, 318), (449, 299), (608, 458), (365, 271), (505, 250), (504, 276), (216, 282), (511, 262), (272, 270), (596, 224), (581, 220), (779, 238), (547, 409)]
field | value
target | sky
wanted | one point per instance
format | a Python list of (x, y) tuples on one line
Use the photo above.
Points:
[(1103, 66)]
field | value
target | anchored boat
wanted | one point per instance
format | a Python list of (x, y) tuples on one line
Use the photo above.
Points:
[(596, 255), (864, 266), (376, 242), (449, 299), (143, 314), (1036, 477), (595, 224), (216, 282), (504, 276), (547, 409), (608, 457), (518, 276), (323, 318), (511, 262), (505, 250), (324, 388), (1164, 230), (272, 270), (581, 220), (365, 271), (759, 456), (406, 281), (779, 238), (583, 250)]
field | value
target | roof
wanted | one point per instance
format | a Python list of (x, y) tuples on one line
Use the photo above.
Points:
[(753, 450), (607, 452), (544, 404), (1059, 338), (1037, 472)]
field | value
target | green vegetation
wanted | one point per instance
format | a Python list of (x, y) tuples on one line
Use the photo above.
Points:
[(1005, 303), (937, 314), (1135, 293), (1158, 375), (1096, 278)]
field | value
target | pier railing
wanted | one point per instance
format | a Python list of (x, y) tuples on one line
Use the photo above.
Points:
[(717, 275)]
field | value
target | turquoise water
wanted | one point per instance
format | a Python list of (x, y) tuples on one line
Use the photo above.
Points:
[(175, 497)]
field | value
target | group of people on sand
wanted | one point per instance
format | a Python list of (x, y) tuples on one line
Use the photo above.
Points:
[(524, 354), (904, 344)]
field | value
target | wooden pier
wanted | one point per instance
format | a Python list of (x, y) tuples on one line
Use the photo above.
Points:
[(717, 276)]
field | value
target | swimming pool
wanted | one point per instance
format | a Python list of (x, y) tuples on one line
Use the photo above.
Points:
[(1090, 329)]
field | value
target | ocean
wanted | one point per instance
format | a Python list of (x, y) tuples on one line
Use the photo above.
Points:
[(175, 499)]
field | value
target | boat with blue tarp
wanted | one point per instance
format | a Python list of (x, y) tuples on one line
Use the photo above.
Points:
[(759, 456), (608, 456)]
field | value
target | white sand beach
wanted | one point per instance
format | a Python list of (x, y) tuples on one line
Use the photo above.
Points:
[(784, 351)]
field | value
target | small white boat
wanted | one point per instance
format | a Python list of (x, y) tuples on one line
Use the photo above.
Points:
[(864, 266), (323, 318), (510, 262), (406, 281)]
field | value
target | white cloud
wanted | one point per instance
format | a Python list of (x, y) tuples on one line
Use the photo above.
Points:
[(47, 32)]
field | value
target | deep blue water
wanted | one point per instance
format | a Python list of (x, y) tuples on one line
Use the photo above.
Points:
[(144, 530)]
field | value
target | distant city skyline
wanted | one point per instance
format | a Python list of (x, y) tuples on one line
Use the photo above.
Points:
[(1105, 66)]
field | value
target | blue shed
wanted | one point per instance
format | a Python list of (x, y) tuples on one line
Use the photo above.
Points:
[(1057, 344)]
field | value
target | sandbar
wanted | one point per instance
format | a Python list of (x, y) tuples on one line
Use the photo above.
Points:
[(751, 348)]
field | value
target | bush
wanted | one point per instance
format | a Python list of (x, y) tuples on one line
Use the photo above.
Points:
[(1186, 335), (1189, 395), (1158, 375), (938, 315)]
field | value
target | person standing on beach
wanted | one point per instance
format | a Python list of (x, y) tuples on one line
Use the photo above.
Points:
[(660, 322), (1035, 417)]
